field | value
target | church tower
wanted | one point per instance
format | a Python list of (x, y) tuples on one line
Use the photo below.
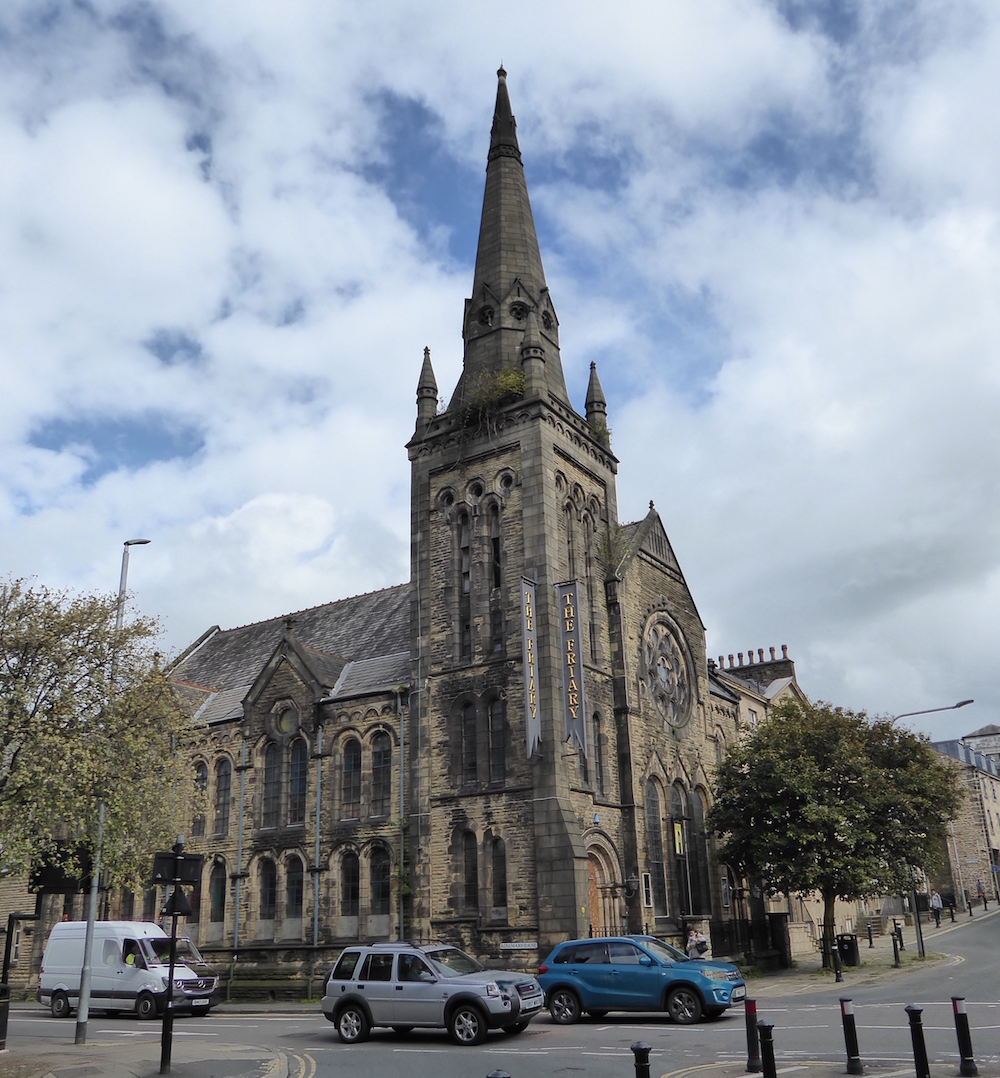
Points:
[(545, 638)]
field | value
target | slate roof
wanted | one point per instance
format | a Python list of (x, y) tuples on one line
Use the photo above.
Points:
[(360, 628), (364, 676), (986, 731)]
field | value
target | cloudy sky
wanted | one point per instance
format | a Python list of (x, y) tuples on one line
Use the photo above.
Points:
[(227, 232)]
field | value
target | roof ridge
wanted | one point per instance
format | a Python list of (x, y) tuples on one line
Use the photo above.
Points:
[(309, 609)]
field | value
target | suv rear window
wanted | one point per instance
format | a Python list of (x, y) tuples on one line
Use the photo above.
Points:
[(377, 967), (591, 953), (345, 967)]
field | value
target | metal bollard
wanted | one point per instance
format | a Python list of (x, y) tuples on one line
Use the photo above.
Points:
[(917, 1036), (871, 942), (5, 1013), (967, 1068), (851, 1037), (641, 1051), (951, 910), (899, 933), (895, 951), (838, 966), (767, 1048), (753, 1039)]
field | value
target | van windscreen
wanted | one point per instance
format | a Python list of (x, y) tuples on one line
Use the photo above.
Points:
[(158, 951)]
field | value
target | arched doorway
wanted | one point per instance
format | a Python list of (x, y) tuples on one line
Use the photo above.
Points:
[(605, 913)]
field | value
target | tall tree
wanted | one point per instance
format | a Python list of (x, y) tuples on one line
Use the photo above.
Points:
[(818, 798), (86, 716)]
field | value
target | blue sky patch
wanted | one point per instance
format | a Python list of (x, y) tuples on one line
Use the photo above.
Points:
[(430, 188), (108, 444), (173, 346)]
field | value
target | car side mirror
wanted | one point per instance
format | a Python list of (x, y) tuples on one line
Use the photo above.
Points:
[(645, 960)]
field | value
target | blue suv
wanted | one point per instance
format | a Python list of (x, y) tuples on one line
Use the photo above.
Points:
[(635, 973)]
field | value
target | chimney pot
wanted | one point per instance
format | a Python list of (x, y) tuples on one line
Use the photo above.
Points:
[(722, 662), (760, 655), (784, 651), (772, 654), (731, 663), (740, 654)]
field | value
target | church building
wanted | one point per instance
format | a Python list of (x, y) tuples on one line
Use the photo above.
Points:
[(511, 749)]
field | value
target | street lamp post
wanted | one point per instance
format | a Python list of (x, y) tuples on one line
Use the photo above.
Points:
[(913, 891), (83, 1004)]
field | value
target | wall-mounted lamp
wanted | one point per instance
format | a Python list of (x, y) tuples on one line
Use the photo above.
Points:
[(597, 820)]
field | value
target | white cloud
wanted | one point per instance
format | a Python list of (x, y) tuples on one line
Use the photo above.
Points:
[(783, 249)]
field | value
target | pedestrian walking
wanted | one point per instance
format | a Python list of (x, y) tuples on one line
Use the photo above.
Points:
[(697, 944), (981, 892), (936, 906)]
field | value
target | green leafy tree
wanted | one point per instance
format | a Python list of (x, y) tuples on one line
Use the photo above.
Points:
[(86, 716), (817, 798)]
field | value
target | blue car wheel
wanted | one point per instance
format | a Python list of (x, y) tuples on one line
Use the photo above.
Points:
[(684, 1005), (564, 1006)]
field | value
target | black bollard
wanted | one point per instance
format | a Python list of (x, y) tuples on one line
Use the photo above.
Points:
[(5, 1014), (899, 934), (895, 950), (641, 1051), (951, 910), (917, 1036), (753, 1040), (851, 1037), (871, 942), (838, 966), (767, 1048), (967, 1068)]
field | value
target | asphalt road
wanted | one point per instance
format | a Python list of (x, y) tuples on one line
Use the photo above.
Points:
[(806, 1017)]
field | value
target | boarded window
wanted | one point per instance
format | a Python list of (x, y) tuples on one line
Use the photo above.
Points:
[(200, 787), (380, 880), (217, 887), (498, 751), (499, 873), (268, 889), (293, 887), (470, 770), (350, 879), (470, 856)]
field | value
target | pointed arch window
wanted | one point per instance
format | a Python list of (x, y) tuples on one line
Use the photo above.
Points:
[(268, 876), (351, 784), (223, 793), (496, 583), (591, 584), (298, 778), (294, 887), (217, 894), (350, 880), (465, 585), (470, 747), (499, 874), (679, 841), (570, 541), (498, 749), (470, 859), (200, 788), (600, 755), (701, 897), (380, 881), (381, 775), (272, 786), (654, 849)]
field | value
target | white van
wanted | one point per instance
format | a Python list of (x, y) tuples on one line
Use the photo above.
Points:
[(130, 964)]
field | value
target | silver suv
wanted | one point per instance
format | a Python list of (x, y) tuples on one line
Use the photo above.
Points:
[(405, 985)]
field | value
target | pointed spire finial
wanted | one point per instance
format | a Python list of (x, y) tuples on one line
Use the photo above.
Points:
[(651, 507), (596, 406), (427, 390)]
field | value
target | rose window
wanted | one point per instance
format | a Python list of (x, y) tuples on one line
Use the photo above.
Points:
[(667, 673)]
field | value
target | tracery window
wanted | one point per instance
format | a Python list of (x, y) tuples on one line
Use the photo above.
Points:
[(381, 775), (498, 751), (272, 787), (654, 849), (298, 777), (465, 585), (350, 881), (294, 887), (351, 784), (470, 858), (667, 677), (217, 893), (268, 876), (470, 766), (499, 873), (380, 881), (200, 786), (223, 792)]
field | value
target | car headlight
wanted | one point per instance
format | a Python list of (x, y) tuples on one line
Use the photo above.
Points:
[(493, 989), (716, 974)]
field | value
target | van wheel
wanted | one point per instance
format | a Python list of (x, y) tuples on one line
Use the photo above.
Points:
[(60, 1005), (145, 1006)]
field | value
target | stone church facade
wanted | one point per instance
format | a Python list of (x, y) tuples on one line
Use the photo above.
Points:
[(402, 763)]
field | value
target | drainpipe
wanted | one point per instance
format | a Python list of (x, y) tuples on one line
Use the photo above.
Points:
[(319, 802), (402, 808), (239, 861)]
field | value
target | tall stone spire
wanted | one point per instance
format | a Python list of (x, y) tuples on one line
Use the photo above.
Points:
[(427, 391), (596, 405), (509, 280)]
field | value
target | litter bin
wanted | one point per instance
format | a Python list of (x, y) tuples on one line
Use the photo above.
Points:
[(847, 945)]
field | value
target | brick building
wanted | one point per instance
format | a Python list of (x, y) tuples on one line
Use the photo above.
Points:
[(511, 749)]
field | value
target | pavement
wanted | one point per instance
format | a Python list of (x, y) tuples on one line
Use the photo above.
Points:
[(196, 1058)]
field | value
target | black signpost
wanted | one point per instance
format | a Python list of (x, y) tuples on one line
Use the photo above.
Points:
[(174, 869)]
